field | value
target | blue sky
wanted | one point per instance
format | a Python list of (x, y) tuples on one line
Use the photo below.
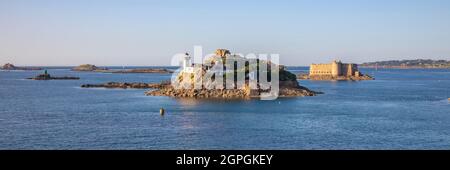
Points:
[(138, 32)]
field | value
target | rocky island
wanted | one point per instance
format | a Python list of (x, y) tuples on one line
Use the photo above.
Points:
[(124, 85), (288, 84), (47, 76), (9, 66), (89, 67), (337, 71), (93, 68), (142, 70)]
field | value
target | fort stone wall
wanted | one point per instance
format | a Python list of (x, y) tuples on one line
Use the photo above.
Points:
[(334, 69)]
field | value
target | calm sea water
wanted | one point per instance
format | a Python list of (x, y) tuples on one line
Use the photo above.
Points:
[(401, 109)]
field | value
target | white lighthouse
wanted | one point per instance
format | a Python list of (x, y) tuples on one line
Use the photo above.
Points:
[(187, 66)]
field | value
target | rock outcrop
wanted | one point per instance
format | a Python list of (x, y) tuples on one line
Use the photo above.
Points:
[(334, 78), (9, 66), (47, 76), (199, 93), (126, 85), (88, 67), (143, 70), (222, 52), (303, 76), (228, 93), (165, 89)]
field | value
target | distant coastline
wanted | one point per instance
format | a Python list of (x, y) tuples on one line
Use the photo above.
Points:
[(408, 64)]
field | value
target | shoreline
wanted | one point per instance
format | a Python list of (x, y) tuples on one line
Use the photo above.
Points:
[(165, 89)]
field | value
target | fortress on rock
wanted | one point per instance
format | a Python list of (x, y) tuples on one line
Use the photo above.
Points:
[(334, 69)]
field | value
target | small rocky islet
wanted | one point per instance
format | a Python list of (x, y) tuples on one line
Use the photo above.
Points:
[(9, 66), (125, 85), (89, 67), (144, 70), (94, 68), (46, 76)]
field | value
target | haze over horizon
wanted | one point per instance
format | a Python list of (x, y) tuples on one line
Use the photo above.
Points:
[(138, 33)]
